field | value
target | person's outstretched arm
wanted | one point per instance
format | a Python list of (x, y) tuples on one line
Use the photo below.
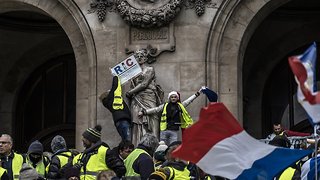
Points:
[(188, 101)]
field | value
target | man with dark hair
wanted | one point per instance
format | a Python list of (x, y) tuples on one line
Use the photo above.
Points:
[(279, 131), (121, 114), (124, 148), (97, 156), (10, 160)]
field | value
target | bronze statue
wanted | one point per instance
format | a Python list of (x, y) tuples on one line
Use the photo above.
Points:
[(144, 94)]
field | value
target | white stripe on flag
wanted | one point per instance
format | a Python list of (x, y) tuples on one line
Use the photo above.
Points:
[(238, 152)]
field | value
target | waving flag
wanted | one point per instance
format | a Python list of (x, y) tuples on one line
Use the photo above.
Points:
[(211, 95), (219, 146), (308, 169), (303, 67)]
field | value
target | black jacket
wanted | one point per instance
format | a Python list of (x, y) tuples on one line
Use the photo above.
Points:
[(113, 162), (55, 170), (143, 165), (121, 114)]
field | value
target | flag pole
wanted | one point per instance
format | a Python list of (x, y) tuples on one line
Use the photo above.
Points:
[(316, 150)]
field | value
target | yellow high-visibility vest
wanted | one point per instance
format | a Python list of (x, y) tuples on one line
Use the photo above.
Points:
[(179, 175), (128, 162), (186, 119), (94, 166), (117, 97), (2, 171), (17, 162)]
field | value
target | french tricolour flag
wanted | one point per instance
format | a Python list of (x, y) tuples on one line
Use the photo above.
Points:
[(303, 67), (308, 169), (219, 146)]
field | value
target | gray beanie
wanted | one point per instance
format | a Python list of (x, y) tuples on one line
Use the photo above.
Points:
[(150, 141), (35, 147), (93, 134), (58, 143), (28, 173)]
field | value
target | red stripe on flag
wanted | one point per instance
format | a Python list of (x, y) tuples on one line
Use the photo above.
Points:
[(300, 72), (215, 124)]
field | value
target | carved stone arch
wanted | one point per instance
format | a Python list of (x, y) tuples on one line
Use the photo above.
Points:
[(229, 34), (73, 22)]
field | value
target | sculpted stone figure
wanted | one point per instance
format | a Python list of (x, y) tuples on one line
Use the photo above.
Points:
[(144, 95)]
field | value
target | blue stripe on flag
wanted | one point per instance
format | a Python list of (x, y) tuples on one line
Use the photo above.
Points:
[(312, 165), (273, 164)]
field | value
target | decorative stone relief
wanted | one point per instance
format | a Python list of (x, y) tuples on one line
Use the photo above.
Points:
[(101, 7), (148, 13), (200, 5), (154, 40)]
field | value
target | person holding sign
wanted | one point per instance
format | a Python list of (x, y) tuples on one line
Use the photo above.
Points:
[(144, 94), (121, 114)]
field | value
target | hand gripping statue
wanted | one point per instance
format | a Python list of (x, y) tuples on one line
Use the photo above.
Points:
[(144, 94)]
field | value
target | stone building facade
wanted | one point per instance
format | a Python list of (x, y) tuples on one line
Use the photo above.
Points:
[(231, 46)]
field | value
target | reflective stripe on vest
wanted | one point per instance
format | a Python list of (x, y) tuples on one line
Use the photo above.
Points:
[(186, 120), (179, 175), (128, 162), (287, 174), (17, 162), (95, 164), (2, 171), (117, 98)]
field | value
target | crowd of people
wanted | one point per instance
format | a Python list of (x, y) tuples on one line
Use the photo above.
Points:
[(147, 159), (295, 140), (151, 159), (139, 155)]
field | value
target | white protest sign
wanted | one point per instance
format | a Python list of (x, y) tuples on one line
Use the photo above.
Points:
[(127, 69)]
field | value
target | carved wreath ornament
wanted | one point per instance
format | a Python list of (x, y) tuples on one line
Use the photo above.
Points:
[(153, 14)]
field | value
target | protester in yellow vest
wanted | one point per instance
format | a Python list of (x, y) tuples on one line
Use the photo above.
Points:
[(60, 160), (10, 160), (97, 156), (121, 114), (175, 168), (36, 159), (139, 163), (174, 116)]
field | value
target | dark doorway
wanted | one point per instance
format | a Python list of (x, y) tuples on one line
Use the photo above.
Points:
[(46, 104), (269, 87)]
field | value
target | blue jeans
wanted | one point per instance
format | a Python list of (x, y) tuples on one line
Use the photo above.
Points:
[(169, 136), (124, 130)]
